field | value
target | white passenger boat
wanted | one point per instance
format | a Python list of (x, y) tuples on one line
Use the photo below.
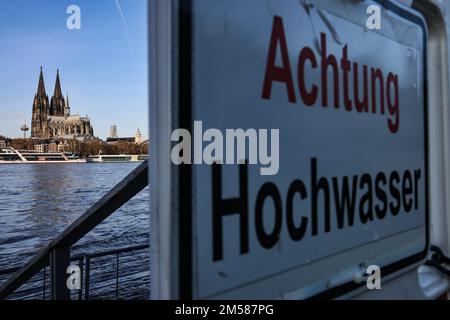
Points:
[(12, 156), (116, 158)]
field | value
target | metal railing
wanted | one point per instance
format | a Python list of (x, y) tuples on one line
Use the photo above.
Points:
[(56, 255), (38, 289)]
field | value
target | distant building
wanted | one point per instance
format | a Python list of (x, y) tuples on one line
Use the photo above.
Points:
[(63, 146), (46, 147), (41, 148), (53, 120), (3, 144), (52, 147), (138, 137), (115, 140), (113, 132)]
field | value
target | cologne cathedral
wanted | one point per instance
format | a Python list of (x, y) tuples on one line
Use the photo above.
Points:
[(53, 120)]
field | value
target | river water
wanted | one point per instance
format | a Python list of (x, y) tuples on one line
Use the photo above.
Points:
[(39, 201)]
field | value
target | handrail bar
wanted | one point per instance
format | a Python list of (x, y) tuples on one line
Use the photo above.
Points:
[(9, 270), (93, 255), (110, 252)]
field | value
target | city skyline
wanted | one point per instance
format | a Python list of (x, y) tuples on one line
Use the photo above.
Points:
[(103, 66)]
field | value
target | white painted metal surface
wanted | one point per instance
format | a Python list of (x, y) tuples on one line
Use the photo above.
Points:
[(232, 61)]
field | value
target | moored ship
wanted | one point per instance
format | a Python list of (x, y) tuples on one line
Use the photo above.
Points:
[(12, 156), (106, 158)]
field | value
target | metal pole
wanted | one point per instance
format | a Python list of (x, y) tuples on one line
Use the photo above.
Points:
[(117, 276), (87, 276), (59, 262), (44, 285), (80, 292)]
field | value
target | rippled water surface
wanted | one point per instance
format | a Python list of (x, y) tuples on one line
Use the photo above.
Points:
[(39, 201)]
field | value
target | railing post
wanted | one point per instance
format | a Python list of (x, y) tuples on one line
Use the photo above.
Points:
[(87, 278), (44, 290), (117, 276), (80, 292), (59, 262)]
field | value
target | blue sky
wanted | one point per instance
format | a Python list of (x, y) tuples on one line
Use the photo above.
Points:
[(104, 71)]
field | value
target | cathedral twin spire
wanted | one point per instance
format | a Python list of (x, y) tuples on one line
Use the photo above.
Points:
[(50, 120), (41, 86), (57, 104), (58, 92)]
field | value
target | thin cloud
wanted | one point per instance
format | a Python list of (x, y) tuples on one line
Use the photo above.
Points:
[(125, 25)]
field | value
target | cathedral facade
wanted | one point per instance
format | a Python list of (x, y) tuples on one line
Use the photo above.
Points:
[(52, 119)]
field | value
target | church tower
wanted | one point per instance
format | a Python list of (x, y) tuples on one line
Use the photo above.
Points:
[(57, 104), (40, 111), (67, 108)]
